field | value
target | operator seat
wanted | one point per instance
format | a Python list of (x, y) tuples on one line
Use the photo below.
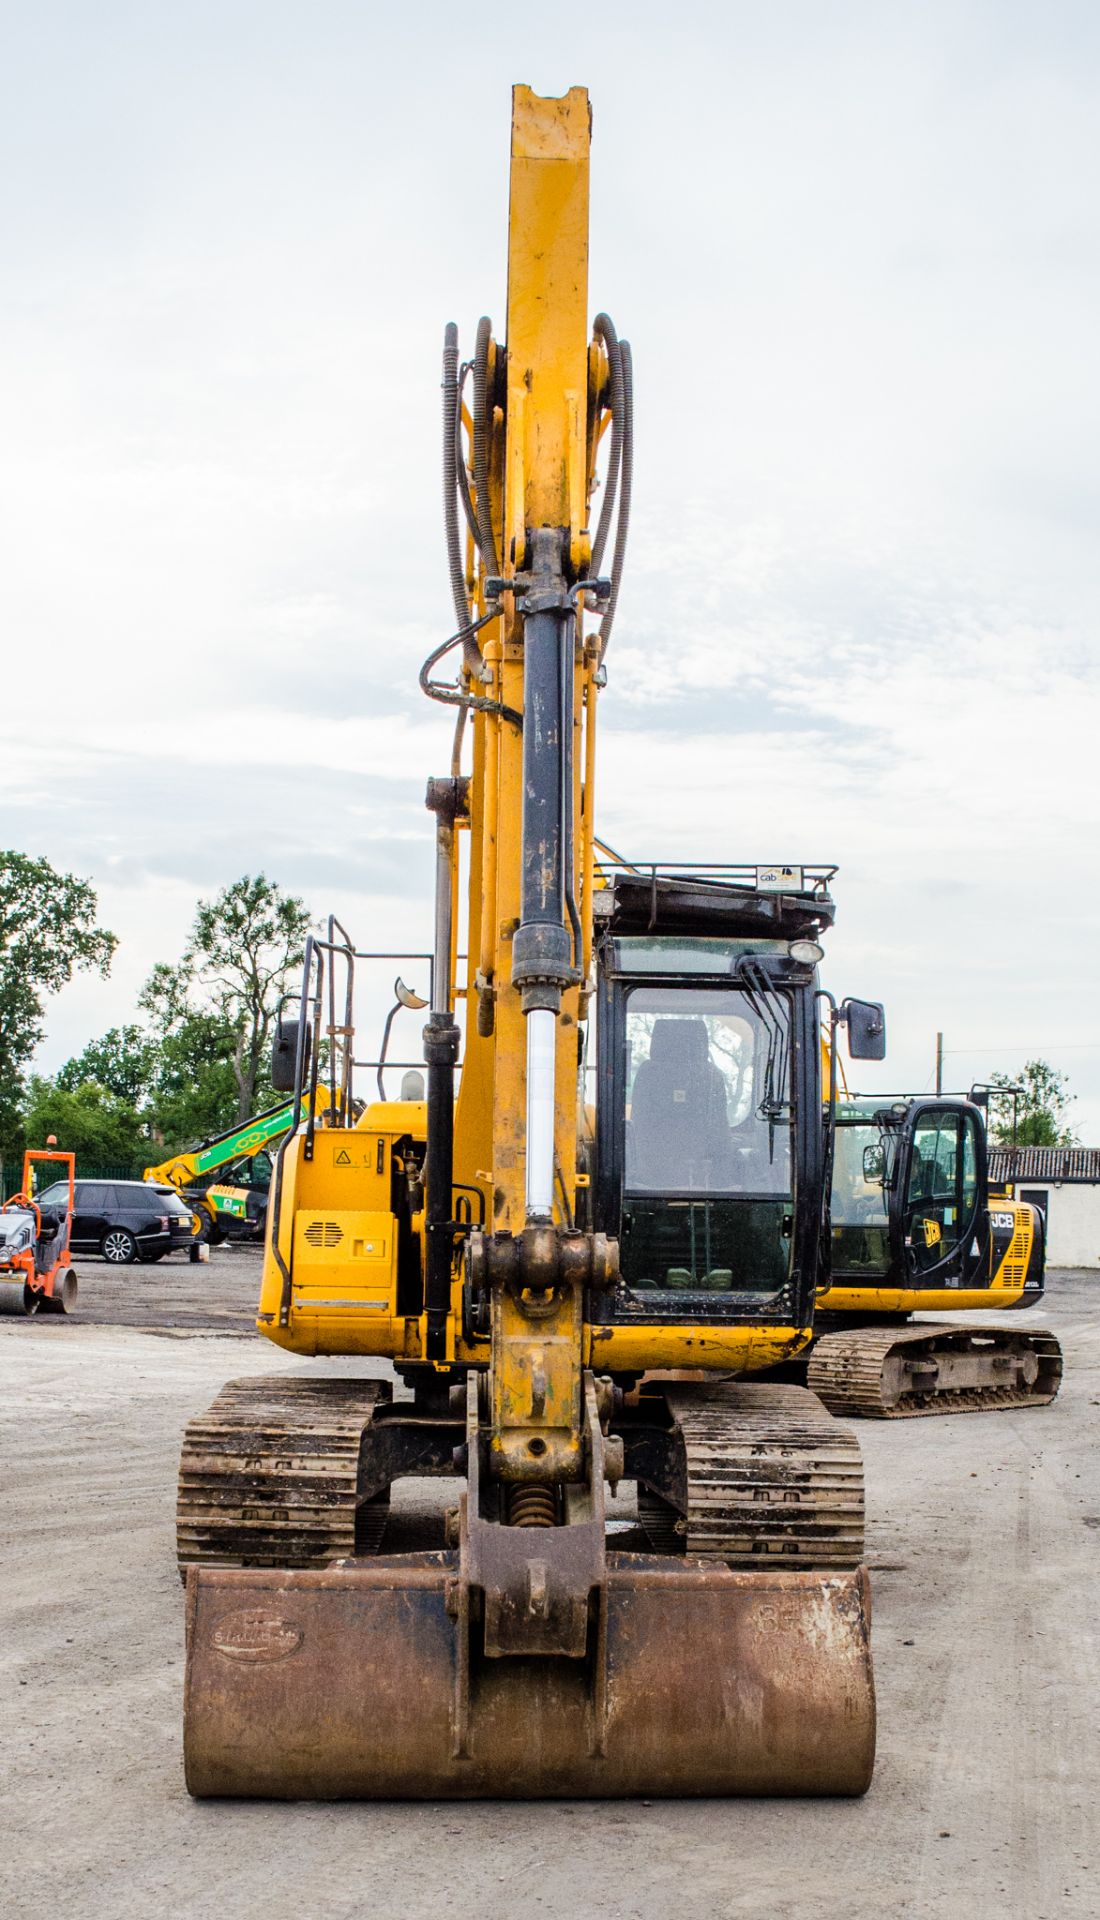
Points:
[(679, 1118), (48, 1232)]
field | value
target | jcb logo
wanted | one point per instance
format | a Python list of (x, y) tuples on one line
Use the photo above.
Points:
[(1006, 1221), (932, 1235)]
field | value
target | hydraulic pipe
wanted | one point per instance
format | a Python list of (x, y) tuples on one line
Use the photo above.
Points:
[(444, 904), (446, 798), (487, 949), (542, 950), (588, 817)]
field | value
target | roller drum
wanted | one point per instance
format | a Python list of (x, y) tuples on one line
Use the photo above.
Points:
[(17, 1299)]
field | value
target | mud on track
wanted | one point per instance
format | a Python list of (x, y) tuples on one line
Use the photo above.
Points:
[(984, 1543)]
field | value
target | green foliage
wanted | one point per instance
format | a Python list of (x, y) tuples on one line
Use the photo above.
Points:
[(195, 1065), (244, 953), (1042, 1108), (88, 1120), (124, 1062), (47, 933), (194, 1091)]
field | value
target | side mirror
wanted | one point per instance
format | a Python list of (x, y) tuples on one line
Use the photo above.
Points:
[(874, 1162), (284, 1054), (866, 1029)]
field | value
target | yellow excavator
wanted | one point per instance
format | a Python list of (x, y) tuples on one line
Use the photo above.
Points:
[(914, 1229), (572, 1296)]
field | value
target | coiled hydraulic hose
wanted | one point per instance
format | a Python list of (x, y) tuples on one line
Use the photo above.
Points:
[(470, 650), (460, 459), (483, 423)]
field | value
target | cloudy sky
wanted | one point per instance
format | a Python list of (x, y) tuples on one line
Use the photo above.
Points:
[(855, 247)]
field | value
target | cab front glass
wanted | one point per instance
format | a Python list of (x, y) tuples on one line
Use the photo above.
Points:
[(704, 1188)]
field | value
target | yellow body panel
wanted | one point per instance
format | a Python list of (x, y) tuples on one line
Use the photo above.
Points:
[(917, 1300), (620, 1349), (1005, 1288)]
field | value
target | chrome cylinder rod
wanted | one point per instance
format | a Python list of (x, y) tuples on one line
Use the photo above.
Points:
[(542, 1027)]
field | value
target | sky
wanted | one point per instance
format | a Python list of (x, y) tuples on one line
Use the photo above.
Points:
[(855, 249)]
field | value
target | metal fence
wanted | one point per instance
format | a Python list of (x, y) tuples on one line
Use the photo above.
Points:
[(11, 1173)]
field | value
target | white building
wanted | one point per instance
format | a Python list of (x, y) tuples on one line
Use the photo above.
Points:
[(1064, 1183)]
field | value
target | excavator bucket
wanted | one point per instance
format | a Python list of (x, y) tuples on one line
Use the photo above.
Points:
[(370, 1680)]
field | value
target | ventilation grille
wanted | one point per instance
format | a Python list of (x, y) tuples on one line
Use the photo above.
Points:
[(324, 1233), (1012, 1272)]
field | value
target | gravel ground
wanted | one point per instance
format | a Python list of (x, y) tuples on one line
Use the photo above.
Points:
[(984, 1539)]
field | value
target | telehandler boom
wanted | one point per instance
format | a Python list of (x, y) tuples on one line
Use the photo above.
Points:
[(223, 1209), (523, 1264)]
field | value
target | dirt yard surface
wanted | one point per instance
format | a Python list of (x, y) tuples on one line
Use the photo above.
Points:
[(984, 1544)]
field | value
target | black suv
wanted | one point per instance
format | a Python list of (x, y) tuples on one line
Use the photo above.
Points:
[(124, 1220)]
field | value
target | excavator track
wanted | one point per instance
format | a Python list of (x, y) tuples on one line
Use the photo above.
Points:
[(269, 1475), (891, 1374), (773, 1481)]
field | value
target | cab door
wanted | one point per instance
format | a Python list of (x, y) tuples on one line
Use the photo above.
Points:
[(941, 1223)]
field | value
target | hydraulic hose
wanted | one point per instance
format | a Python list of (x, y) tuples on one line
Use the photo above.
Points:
[(454, 695), (460, 459), (470, 650), (483, 423), (626, 486), (604, 330)]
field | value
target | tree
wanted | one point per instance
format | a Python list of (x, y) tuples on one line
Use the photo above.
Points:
[(194, 1092), (48, 932), (244, 953), (1041, 1108), (100, 1127), (124, 1062)]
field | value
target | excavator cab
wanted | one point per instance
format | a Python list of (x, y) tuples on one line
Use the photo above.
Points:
[(913, 1228), (708, 1151), (911, 1210)]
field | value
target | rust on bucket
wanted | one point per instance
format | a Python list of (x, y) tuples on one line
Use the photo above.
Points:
[(356, 1682)]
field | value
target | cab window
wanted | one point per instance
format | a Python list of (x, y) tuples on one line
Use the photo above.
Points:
[(707, 1190), (860, 1222), (942, 1192)]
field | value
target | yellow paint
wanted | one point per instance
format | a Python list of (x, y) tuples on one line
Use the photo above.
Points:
[(864, 1300), (1005, 1288), (547, 315), (618, 1349)]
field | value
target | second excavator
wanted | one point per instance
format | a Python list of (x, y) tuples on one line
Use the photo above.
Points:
[(573, 1295), (914, 1229)]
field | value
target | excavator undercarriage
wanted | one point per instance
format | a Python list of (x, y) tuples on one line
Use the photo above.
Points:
[(532, 1659), (897, 1372)]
